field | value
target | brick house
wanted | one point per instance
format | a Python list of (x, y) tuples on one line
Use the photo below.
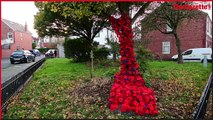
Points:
[(14, 36), (195, 33)]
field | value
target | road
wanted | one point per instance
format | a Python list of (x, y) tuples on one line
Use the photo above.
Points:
[(9, 70)]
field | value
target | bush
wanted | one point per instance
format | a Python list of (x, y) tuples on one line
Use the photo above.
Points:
[(43, 50), (33, 45), (142, 56), (101, 53), (77, 49)]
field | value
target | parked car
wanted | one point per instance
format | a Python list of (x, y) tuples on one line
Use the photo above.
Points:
[(195, 55), (110, 56), (22, 56), (38, 53), (50, 53), (35, 52)]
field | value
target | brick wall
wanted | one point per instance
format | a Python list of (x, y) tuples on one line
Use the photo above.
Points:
[(4, 30), (19, 42), (24, 42), (191, 34)]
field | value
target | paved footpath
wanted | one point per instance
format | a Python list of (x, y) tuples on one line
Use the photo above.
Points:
[(8, 71)]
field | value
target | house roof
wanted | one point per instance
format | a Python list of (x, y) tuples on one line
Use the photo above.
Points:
[(15, 26)]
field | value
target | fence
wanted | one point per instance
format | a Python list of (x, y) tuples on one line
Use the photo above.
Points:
[(17, 82), (200, 110)]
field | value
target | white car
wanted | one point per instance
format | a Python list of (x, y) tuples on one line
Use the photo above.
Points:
[(195, 55), (110, 56), (50, 53)]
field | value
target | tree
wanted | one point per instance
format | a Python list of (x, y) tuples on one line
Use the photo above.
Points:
[(129, 92), (82, 19), (71, 18), (166, 15)]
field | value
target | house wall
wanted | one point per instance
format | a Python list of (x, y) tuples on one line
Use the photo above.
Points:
[(208, 32), (191, 33), (20, 41), (4, 30), (23, 41), (103, 34), (60, 51)]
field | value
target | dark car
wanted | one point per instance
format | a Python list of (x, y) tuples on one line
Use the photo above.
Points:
[(22, 56), (35, 52)]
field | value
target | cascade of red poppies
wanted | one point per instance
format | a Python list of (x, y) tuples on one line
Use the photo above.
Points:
[(129, 92)]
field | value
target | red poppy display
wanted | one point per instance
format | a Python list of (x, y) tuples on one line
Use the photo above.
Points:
[(129, 92)]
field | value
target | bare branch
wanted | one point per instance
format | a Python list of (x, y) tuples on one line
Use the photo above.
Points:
[(141, 11), (171, 32)]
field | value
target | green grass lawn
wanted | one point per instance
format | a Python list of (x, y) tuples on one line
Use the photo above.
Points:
[(47, 95)]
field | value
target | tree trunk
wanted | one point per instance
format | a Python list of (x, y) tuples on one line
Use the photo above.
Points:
[(178, 45), (114, 56), (91, 58), (129, 92)]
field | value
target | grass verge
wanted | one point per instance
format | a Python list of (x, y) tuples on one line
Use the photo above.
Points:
[(62, 89)]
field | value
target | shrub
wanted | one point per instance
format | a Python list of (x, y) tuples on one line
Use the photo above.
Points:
[(43, 50), (33, 45), (142, 56), (78, 49), (101, 53)]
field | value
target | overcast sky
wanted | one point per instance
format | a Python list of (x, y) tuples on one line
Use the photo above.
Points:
[(21, 12)]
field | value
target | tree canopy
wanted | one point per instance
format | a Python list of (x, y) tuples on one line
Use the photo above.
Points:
[(83, 19)]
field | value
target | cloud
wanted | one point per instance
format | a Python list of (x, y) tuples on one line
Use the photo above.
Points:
[(20, 12)]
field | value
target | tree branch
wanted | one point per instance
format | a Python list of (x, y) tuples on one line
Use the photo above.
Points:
[(171, 32), (141, 10)]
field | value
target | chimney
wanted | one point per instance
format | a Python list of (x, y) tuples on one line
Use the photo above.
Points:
[(25, 27)]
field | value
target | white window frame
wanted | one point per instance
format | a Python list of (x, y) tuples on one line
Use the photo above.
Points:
[(168, 29), (8, 34), (166, 44), (11, 39)]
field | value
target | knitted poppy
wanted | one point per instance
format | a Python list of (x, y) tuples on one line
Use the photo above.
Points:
[(129, 92)]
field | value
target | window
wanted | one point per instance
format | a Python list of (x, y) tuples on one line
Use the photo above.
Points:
[(5, 46), (166, 47), (10, 35), (188, 52), (168, 29)]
